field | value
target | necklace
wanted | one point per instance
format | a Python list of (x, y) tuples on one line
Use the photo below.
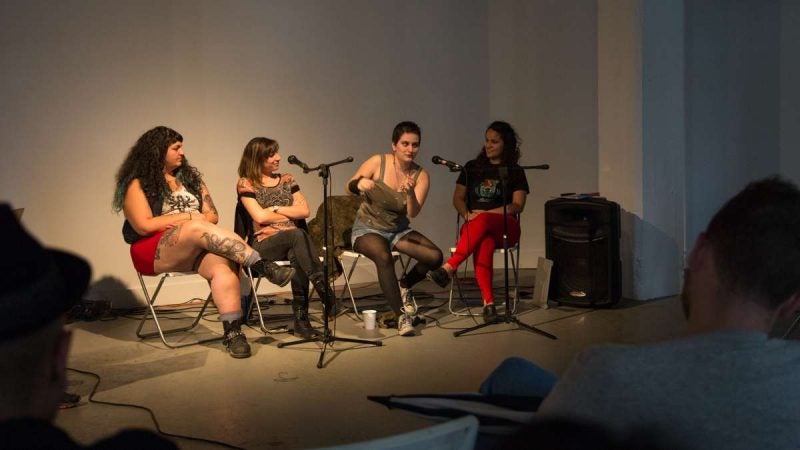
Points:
[(398, 171)]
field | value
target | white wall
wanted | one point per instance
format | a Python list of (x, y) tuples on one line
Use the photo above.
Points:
[(81, 80), (733, 93), (543, 80), (642, 138)]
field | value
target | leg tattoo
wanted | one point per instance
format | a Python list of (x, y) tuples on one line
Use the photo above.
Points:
[(168, 239), (226, 247)]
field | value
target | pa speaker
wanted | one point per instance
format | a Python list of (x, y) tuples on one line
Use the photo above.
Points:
[(582, 240)]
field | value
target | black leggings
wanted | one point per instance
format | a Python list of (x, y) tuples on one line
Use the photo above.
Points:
[(294, 245), (413, 244)]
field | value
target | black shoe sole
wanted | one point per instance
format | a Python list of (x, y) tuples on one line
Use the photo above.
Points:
[(440, 283), (288, 279)]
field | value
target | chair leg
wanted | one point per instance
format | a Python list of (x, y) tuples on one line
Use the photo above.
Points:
[(456, 281), (254, 283), (160, 331), (347, 275), (515, 268)]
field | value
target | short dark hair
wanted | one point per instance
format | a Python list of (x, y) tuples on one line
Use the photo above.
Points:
[(755, 239), (405, 127)]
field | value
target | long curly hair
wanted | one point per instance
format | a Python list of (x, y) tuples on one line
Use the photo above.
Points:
[(145, 161), (255, 153), (511, 144)]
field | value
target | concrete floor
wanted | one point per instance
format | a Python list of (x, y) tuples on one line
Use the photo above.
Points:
[(279, 399)]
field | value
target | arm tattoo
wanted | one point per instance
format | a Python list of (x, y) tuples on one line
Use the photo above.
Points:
[(168, 239), (226, 247), (207, 200)]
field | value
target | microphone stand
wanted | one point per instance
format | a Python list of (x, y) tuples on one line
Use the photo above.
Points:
[(327, 337), (508, 317)]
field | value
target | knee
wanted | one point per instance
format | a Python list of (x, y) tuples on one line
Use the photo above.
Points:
[(382, 259), (224, 272), (438, 258)]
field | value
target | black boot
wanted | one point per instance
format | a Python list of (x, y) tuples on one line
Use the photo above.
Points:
[(302, 327), (489, 313), (235, 341), (325, 293), (280, 275)]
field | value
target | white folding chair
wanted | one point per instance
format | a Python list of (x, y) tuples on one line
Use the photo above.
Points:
[(513, 257), (456, 434), (151, 312), (347, 274), (255, 281)]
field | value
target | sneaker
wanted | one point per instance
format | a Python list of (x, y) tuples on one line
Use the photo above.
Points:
[(280, 275), (404, 326), (409, 304), (489, 313), (236, 343), (439, 276)]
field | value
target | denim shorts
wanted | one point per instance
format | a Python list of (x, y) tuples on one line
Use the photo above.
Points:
[(360, 229)]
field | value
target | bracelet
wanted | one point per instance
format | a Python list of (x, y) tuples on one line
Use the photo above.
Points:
[(352, 186)]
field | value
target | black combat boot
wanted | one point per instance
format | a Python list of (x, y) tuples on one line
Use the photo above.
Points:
[(280, 275), (235, 341), (302, 326), (325, 293)]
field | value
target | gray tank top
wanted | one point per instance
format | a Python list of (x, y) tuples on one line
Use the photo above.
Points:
[(383, 207)]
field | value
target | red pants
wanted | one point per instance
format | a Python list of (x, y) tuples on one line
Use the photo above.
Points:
[(479, 237)]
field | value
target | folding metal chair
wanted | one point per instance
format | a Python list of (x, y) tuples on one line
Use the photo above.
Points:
[(513, 257), (151, 312), (347, 274)]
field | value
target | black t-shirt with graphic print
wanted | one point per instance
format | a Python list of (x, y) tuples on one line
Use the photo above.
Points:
[(484, 191)]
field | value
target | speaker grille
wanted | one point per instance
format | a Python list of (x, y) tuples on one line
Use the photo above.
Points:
[(583, 243)]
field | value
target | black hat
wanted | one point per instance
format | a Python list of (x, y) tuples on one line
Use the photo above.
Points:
[(37, 285)]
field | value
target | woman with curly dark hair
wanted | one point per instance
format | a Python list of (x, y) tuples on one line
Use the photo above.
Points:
[(479, 199), (274, 203), (170, 222)]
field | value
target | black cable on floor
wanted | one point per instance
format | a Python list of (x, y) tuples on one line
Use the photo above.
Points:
[(149, 411)]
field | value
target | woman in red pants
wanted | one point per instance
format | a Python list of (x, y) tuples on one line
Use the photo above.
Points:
[(479, 199)]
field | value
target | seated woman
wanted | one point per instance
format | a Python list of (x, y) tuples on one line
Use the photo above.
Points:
[(170, 222), (479, 199), (274, 202), (395, 188)]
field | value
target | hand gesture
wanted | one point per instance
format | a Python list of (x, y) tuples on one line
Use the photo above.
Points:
[(408, 184), (365, 184)]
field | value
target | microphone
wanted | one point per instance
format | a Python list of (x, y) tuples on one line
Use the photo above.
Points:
[(293, 160), (450, 164)]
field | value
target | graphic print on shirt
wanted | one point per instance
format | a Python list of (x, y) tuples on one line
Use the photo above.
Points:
[(487, 191)]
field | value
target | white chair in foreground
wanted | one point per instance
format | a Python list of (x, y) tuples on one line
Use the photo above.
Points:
[(457, 434), (151, 312)]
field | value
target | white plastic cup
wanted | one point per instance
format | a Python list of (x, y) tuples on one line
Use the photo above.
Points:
[(369, 318)]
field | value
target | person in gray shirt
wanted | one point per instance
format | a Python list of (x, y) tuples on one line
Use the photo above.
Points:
[(725, 384)]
